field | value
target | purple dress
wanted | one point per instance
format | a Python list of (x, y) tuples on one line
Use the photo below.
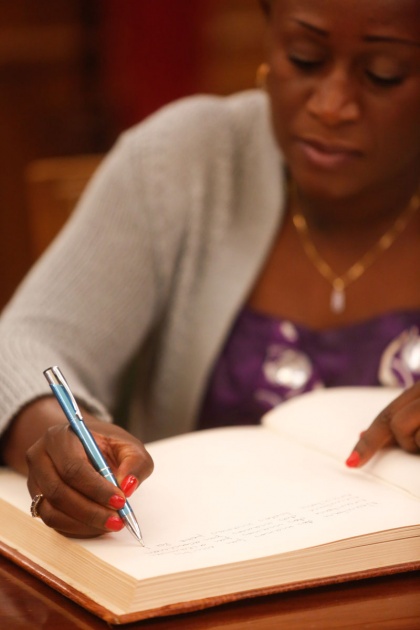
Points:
[(267, 360)]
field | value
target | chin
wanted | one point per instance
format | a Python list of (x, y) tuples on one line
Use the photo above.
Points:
[(332, 187)]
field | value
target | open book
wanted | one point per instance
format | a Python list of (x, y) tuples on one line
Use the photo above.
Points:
[(236, 512)]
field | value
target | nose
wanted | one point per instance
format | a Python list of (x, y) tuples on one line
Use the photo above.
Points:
[(333, 99)]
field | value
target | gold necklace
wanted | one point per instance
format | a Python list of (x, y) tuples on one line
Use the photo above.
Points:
[(339, 283)]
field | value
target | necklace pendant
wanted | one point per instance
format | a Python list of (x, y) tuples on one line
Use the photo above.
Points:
[(337, 300)]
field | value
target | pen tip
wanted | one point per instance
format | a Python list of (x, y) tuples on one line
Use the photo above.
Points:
[(133, 527)]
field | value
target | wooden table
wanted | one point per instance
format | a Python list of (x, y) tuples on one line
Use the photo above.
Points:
[(389, 603)]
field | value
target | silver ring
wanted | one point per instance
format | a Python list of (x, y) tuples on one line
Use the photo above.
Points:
[(36, 502)]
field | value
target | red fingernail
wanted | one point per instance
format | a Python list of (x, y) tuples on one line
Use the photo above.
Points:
[(114, 523), (354, 460), (129, 484), (117, 502)]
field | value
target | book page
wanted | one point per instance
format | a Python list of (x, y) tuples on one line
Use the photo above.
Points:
[(230, 494), (227, 495), (330, 422)]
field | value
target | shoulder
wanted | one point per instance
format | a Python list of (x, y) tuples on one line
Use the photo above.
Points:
[(205, 111), (194, 153), (201, 124)]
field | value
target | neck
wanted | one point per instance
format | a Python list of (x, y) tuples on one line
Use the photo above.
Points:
[(348, 241)]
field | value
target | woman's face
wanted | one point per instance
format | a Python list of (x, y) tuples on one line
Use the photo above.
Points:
[(345, 92)]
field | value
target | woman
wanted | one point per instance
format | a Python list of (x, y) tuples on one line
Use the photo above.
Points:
[(229, 254)]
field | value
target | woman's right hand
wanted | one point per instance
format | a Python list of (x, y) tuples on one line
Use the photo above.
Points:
[(77, 501)]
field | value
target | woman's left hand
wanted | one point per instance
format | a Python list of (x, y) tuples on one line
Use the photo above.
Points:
[(398, 423)]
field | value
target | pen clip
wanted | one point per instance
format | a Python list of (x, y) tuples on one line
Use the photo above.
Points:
[(55, 377)]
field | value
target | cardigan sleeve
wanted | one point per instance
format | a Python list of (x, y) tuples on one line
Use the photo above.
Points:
[(138, 265), (89, 301)]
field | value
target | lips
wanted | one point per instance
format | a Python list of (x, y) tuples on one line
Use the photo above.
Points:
[(327, 154)]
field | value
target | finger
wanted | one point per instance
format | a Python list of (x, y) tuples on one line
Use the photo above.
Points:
[(127, 456), (405, 425), (67, 511), (131, 461), (377, 436), (138, 464), (76, 471), (65, 508), (69, 526), (398, 423)]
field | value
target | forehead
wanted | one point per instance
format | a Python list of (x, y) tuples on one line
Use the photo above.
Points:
[(387, 17)]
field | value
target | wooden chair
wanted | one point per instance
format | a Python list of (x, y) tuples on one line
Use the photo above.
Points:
[(53, 186)]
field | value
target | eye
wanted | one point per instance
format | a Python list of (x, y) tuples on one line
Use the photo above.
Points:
[(384, 81), (305, 63)]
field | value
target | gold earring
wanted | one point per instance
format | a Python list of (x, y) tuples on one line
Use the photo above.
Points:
[(263, 71)]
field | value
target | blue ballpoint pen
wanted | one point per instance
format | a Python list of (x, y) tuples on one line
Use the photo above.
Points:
[(63, 394)]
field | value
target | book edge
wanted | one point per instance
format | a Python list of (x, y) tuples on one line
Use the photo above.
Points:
[(188, 606)]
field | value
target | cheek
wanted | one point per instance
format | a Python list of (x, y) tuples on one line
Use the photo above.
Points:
[(289, 93), (287, 99), (397, 130)]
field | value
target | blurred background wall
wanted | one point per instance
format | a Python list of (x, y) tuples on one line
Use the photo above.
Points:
[(75, 73)]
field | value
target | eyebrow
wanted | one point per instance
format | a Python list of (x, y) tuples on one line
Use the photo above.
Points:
[(391, 40), (374, 39), (311, 27)]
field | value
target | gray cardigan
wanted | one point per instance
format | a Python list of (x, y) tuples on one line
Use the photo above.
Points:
[(135, 297)]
